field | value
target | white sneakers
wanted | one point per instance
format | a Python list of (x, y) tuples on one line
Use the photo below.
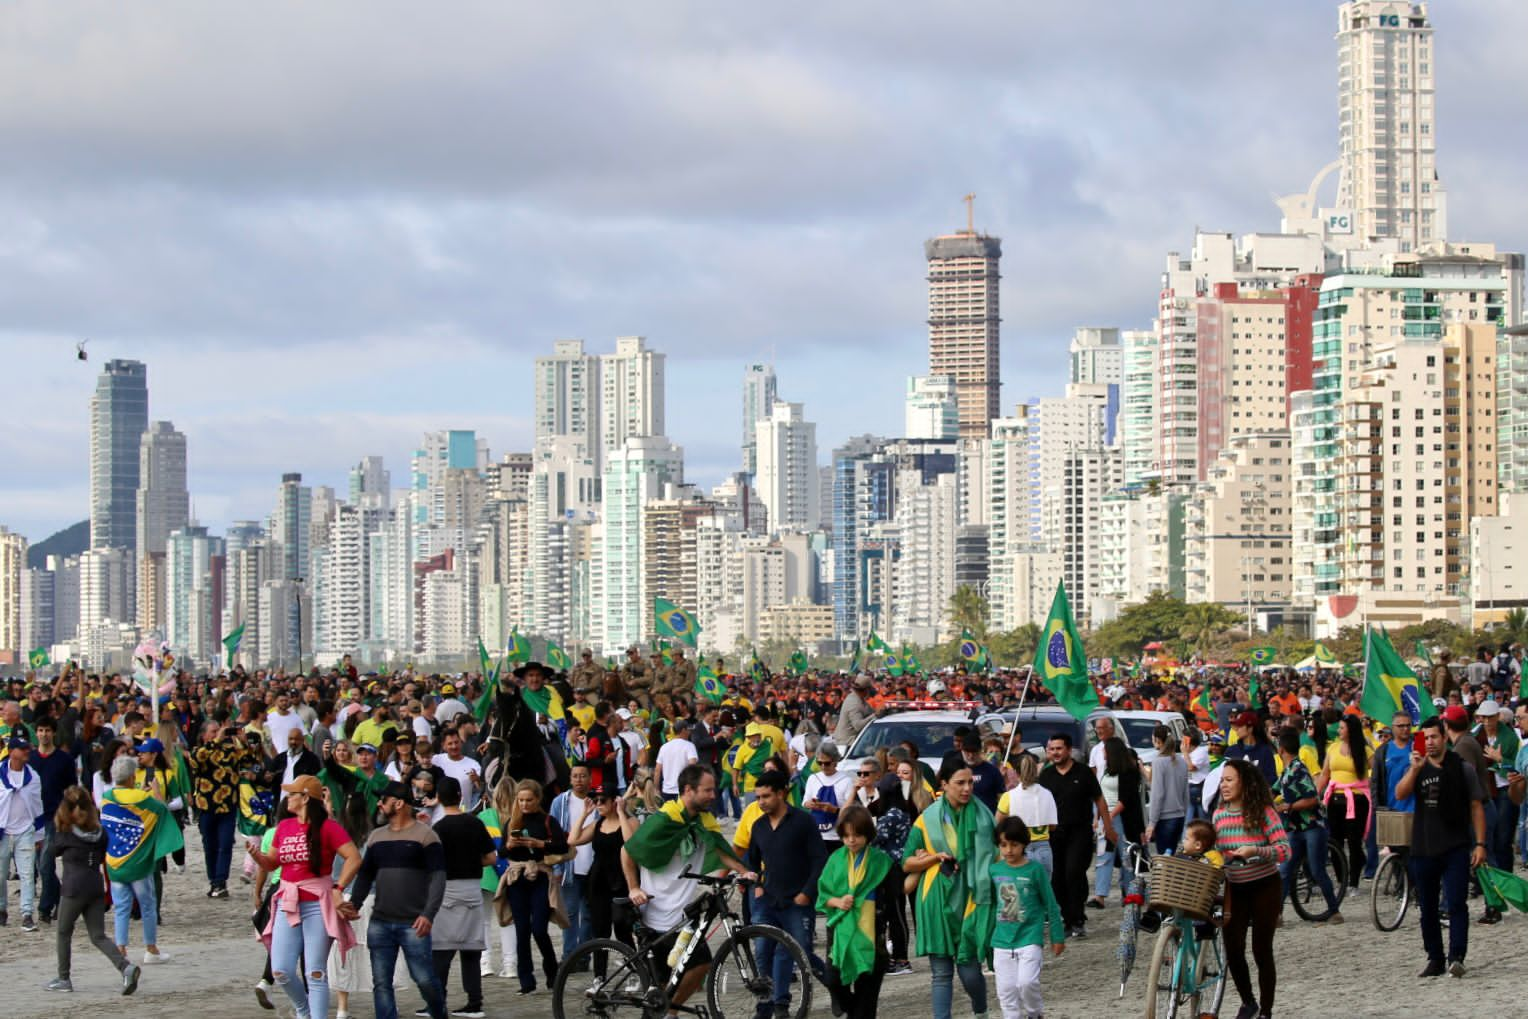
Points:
[(155, 958)]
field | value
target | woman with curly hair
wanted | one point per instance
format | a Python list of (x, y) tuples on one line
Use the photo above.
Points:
[(1249, 833)]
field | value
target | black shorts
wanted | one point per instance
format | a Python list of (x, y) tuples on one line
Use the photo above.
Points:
[(700, 956)]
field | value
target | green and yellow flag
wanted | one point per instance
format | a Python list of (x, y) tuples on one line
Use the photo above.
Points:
[(1324, 656), (1389, 683), (546, 701), (518, 650), (876, 644), (672, 621), (139, 833), (1060, 662), (233, 640), (853, 941), (854, 659), (707, 684), (39, 658), (670, 834), (970, 650), (1263, 655), (798, 663), (556, 657), (485, 663)]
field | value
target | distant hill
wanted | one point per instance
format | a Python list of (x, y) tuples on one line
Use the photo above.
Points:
[(72, 540)]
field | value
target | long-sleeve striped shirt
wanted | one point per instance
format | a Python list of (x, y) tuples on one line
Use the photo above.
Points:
[(1233, 833)]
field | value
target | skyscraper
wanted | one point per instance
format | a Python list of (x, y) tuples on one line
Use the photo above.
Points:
[(164, 507), (963, 322), (119, 412), (758, 401), (787, 468), (631, 393), (1387, 131), (567, 396), (291, 527)]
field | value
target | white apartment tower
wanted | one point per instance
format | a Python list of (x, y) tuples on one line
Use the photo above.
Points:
[(931, 410), (787, 476), (164, 507), (13, 565), (1386, 123), (567, 396), (631, 393), (759, 389), (641, 470), (1097, 355)]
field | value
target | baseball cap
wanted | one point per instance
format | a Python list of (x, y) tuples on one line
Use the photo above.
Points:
[(397, 791), (448, 689), (1455, 713), (306, 784), (19, 742), (1487, 709), (367, 747), (150, 746), (1246, 718), (753, 729), (624, 713)]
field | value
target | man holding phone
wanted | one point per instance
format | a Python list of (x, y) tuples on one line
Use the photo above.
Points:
[(1450, 808), (215, 767)]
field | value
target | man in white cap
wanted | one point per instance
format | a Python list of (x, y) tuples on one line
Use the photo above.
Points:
[(1500, 745)]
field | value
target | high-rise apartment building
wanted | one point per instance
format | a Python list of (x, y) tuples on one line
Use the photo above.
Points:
[(37, 610), (370, 483), (1387, 126), (643, 469), (567, 394), (194, 565), (963, 322), (1512, 410), (1097, 355), (291, 526), (931, 410), (631, 392), (1138, 404), (1237, 527), (106, 587), (13, 565), (164, 506), (119, 413), (787, 476), (759, 389)]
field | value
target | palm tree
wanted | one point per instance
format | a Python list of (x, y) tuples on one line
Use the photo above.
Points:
[(1204, 624), (968, 610), (1516, 625)]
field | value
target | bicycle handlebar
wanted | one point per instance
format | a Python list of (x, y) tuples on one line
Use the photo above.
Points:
[(706, 879)]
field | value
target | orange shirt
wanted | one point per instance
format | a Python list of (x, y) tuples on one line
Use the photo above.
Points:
[(1288, 704)]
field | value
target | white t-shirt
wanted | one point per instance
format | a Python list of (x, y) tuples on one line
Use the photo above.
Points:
[(838, 790), (1199, 757), (462, 771), (673, 756), (1096, 759), (636, 741), (1035, 806), (421, 726), (447, 710), (578, 808), (279, 725), (668, 893)]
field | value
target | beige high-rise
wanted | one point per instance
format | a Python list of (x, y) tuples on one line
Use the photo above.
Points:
[(963, 323)]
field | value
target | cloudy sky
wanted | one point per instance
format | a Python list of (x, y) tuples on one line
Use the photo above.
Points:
[(328, 228)]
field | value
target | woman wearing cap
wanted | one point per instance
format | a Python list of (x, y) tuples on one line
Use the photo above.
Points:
[(305, 918), (158, 779), (1252, 745)]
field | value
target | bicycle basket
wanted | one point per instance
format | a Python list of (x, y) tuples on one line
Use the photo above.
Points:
[(1392, 827), (1185, 885)]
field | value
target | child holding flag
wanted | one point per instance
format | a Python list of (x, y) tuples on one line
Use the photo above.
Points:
[(846, 895)]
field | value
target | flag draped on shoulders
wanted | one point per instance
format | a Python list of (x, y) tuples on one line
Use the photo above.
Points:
[(545, 701), (139, 833), (670, 832), (854, 941), (954, 911), (256, 807)]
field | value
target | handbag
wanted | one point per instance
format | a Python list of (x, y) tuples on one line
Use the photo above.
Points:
[(501, 911)]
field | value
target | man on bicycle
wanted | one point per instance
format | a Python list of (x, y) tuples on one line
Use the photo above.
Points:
[(681, 836)]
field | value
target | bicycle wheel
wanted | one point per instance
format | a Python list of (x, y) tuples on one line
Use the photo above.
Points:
[(1305, 894), (1209, 979), (736, 988), (1162, 990), (606, 979), (1391, 894)]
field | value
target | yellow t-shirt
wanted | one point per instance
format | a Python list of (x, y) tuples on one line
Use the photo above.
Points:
[(743, 837), (1344, 768), (369, 732), (582, 714)]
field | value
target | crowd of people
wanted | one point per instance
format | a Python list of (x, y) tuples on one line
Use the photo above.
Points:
[(373, 815)]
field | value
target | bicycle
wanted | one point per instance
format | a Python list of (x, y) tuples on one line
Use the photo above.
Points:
[(621, 982), (1393, 890), (1305, 894), (1188, 967), (1136, 859)]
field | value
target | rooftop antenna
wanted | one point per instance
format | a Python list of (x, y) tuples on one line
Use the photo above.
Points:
[(970, 201)]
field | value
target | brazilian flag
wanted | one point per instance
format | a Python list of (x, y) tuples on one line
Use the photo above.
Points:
[(139, 833), (556, 657), (970, 650), (875, 644), (519, 649), (673, 621), (854, 660), (39, 659), (1061, 663), (798, 663), (707, 685), (256, 808)]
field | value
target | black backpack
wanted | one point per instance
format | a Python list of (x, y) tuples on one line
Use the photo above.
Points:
[(1501, 677)]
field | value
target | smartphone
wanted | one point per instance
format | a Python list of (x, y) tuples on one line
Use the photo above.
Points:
[(1419, 743), (949, 868)]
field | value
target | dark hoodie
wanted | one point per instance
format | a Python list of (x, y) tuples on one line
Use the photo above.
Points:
[(83, 854)]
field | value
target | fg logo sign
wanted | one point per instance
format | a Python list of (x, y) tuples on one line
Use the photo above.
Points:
[(1339, 222), (1389, 21)]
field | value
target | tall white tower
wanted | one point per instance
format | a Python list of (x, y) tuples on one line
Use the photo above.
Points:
[(631, 393), (1386, 122), (787, 477), (759, 392)]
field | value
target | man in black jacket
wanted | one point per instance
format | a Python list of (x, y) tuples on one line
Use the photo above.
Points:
[(705, 735), (788, 850), (296, 760)]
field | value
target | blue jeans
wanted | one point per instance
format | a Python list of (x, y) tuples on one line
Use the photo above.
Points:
[(1166, 835), (217, 844), (47, 869), (797, 922), (310, 941), (1103, 872), (383, 940), (1506, 829), (1449, 874), (575, 903), (1040, 852), (944, 969), (1310, 844), (23, 850), (1195, 803), (122, 896)]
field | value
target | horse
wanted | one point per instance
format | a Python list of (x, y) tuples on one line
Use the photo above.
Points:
[(517, 749)]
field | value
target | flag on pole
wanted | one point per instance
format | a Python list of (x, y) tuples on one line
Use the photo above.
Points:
[(1061, 663), (1390, 685), (910, 663), (970, 650), (798, 663), (707, 684), (876, 644), (556, 657), (233, 640), (854, 659), (485, 663), (673, 621), (39, 658), (1264, 655), (518, 650), (1424, 654), (893, 663), (1324, 656)]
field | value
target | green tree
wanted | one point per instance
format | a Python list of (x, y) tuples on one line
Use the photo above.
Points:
[(968, 610), (1158, 618), (1204, 628)]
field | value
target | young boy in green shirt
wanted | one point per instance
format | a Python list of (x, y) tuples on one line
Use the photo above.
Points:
[(1025, 904)]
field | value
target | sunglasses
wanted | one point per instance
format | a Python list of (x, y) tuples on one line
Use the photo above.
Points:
[(867, 774)]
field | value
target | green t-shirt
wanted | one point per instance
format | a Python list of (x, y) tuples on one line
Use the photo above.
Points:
[(1024, 902)]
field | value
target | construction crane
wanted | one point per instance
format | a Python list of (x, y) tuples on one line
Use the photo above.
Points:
[(970, 201)]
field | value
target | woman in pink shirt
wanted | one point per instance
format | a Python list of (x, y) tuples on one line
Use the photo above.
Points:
[(1251, 836), (304, 916)]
